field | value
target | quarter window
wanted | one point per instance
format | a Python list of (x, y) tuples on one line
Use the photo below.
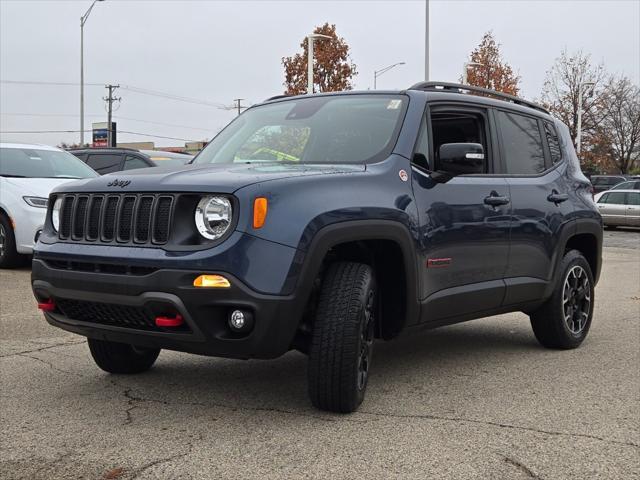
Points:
[(554, 143), (522, 144)]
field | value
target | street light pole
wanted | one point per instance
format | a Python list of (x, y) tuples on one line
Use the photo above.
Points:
[(310, 39), (426, 42), (377, 73), (83, 20), (465, 70), (579, 129)]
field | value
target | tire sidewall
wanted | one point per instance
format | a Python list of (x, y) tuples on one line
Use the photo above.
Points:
[(572, 259)]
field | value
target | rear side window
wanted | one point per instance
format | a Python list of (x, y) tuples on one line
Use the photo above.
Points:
[(554, 143), (633, 198), (132, 162), (614, 197), (522, 143), (104, 162)]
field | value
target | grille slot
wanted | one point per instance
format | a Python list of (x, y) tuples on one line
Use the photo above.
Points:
[(162, 219), (79, 217), (93, 224), (65, 217), (125, 219), (143, 219), (122, 218)]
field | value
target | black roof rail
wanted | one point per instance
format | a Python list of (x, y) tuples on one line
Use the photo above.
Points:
[(460, 88), (276, 97)]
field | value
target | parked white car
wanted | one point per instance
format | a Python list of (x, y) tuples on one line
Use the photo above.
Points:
[(28, 173), (620, 208)]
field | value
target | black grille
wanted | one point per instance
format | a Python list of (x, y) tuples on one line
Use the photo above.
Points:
[(121, 218), (163, 217), (107, 314)]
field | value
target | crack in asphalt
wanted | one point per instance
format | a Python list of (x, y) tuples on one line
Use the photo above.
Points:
[(63, 344), (522, 467), (498, 424), (50, 365), (170, 459), (132, 399)]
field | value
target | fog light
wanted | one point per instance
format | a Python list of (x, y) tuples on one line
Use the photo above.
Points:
[(240, 321)]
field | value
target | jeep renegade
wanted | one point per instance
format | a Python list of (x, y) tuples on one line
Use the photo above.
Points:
[(323, 222)]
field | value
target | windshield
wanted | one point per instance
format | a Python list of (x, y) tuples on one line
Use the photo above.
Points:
[(35, 163), (326, 129)]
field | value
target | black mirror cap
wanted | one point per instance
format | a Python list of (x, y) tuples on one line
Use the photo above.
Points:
[(461, 158)]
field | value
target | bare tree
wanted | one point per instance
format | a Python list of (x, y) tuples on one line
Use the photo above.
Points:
[(561, 90), (620, 124)]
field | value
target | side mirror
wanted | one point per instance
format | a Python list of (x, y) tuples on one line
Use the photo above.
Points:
[(461, 158)]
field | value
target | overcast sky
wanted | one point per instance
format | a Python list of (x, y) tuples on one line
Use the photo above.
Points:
[(216, 51)]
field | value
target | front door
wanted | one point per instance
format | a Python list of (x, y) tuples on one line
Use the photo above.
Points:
[(464, 223)]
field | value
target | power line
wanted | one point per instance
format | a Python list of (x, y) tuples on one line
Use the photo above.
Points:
[(131, 88), (117, 117), (34, 82), (77, 131)]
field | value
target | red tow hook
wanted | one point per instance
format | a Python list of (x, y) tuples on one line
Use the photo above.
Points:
[(169, 321), (47, 306)]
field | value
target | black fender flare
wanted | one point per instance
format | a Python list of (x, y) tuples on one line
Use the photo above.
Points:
[(308, 263)]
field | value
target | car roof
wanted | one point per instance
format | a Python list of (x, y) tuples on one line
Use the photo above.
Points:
[(450, 92), (622, 190), (35, 146)]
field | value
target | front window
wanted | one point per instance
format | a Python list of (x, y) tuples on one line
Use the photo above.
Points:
[(36, 163), (321, 130)]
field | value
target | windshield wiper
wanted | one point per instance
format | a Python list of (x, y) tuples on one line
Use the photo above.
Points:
[(8, 175)]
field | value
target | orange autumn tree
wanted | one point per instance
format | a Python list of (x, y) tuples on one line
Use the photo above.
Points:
[(333, 70), (493, 72)]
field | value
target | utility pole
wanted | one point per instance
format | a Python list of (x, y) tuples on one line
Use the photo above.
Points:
[(238, 104), (426, 42), (110, 99)]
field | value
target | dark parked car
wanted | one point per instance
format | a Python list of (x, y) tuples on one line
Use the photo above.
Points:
[(602, 183), (108, 160), (323, 222)]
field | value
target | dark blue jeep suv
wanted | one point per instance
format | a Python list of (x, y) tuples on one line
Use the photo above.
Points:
[(323, 222)]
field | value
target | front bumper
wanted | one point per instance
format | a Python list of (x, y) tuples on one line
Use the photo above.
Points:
[(205, 310)]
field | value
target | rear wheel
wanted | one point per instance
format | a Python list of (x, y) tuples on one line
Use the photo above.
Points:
[(342, 340), (9, 256), (116, 357), (564, 320)]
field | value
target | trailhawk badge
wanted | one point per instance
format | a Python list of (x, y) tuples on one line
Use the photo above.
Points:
[(118, 183)]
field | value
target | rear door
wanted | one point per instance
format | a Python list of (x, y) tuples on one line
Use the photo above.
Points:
[(533, 164), (632, 216)]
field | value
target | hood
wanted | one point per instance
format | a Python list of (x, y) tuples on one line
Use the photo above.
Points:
[(37, 187), (218, 178)]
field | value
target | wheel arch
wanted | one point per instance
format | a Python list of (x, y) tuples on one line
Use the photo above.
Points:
[(388, 247)]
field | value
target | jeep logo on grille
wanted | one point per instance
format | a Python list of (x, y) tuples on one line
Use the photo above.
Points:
[(118, 183)]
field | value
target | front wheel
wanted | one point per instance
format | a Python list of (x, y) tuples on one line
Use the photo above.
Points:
[(9, 256), (564, 320), (116, 357), (342, 340)]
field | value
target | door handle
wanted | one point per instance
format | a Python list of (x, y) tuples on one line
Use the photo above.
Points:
[(496, 200), (557, 198)]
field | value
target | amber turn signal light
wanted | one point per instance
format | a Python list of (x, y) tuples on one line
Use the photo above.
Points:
[(259, 212), (211, 281)]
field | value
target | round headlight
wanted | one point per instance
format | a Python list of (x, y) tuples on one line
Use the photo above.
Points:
[(55, 214), (213, 217)]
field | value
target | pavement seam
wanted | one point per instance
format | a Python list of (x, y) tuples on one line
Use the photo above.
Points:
[(50, 365), (498, 424), (64, 344)]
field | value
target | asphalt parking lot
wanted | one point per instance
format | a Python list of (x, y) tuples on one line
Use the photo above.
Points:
[(476, 400)]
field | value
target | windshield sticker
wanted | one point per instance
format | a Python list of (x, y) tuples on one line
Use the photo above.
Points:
[(394, 104)]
